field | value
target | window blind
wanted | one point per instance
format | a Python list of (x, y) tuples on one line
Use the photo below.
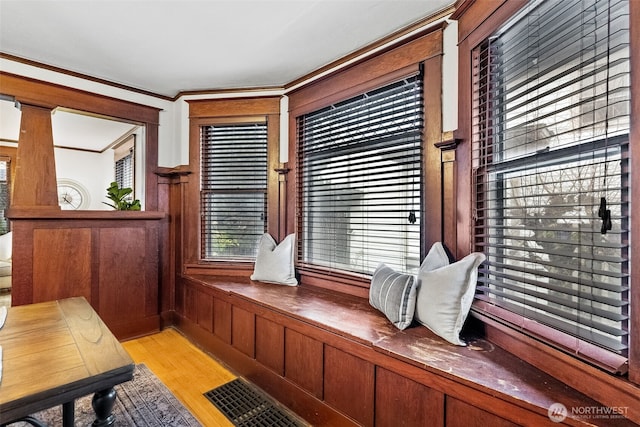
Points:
[(233, 189), (359, 180), (123, 157), (124, 171), (551, 173)]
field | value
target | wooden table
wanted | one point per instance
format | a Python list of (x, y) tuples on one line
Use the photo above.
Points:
[(55, 352)]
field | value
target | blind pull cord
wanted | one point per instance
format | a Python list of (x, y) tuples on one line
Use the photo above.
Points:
[(605, 215)]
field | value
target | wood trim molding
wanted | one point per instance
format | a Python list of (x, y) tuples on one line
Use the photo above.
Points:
[(234, 107), (447, 141), (50, 95), (55, 69), (387, 67), (401, 37), (181, 170)]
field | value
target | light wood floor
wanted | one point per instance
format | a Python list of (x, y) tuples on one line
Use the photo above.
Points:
[(185, 369)]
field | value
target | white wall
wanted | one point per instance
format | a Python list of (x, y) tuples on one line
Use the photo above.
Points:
[(94, 171), (450, 77)]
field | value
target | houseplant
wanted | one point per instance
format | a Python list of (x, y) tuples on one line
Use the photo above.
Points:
[(120, 199)]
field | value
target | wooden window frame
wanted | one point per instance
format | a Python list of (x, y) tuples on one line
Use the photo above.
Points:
[(228, 110), (477, 20)]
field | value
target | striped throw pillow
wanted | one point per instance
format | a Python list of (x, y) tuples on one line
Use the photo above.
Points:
[(394, 294)]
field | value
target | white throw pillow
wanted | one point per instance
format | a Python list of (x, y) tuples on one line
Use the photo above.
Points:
[(274, 263), (436, 258), (5, 246), (394, 294), (445, 295)]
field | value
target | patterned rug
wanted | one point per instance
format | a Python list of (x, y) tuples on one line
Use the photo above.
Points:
[(143, 402)]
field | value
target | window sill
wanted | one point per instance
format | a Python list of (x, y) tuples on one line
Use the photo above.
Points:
[(610, 390)]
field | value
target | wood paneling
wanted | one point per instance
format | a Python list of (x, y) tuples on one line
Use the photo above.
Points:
[(122, 275), (191, 304), (401, 402), (461, 414), (303, 361), (222, 320), (63, 264), (349, 384), (270, 344), (110, 258), (204, 303), (243, 327)]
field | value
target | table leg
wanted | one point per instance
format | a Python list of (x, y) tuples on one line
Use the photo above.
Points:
[(68, 415), (102, 403)]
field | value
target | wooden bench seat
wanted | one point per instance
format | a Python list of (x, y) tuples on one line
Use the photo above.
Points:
[(480, 375)]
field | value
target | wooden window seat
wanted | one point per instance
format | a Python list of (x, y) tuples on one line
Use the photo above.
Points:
[(335, 360)]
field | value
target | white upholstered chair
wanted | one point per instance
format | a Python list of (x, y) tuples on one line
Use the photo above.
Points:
[(5, 261)]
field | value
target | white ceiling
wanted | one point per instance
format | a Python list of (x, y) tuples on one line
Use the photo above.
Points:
[(169, 46)]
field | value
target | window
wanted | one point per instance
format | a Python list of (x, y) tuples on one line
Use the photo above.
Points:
[(124, 164), (359, 171), (233, 193), (551, 173)]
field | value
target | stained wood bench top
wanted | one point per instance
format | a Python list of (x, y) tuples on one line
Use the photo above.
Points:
[(479, 365)]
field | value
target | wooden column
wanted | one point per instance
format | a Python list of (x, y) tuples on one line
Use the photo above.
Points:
[(447, 146), (35, 176), (283, 170)]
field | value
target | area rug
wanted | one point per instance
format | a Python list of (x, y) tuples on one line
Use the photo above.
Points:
[(144, 402)]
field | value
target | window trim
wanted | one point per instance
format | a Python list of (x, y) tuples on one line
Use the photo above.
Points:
[(478, 20), (228, 111)]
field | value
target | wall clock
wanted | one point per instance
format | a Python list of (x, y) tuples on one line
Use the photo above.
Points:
[(72, 195)]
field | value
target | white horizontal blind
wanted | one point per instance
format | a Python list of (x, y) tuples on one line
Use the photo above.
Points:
[(233, 190), (551, 133), (360, 180), (124, 172)]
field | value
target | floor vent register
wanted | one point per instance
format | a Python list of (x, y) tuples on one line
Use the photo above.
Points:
[(246, 406)]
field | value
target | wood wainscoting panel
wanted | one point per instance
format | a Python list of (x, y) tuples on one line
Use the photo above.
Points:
[(222, 320), (462, 414), (62, 263), (204, 304), (243, 329), (349, 384), (303, 357), (401, 401), (270, 344), (122, 273)]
